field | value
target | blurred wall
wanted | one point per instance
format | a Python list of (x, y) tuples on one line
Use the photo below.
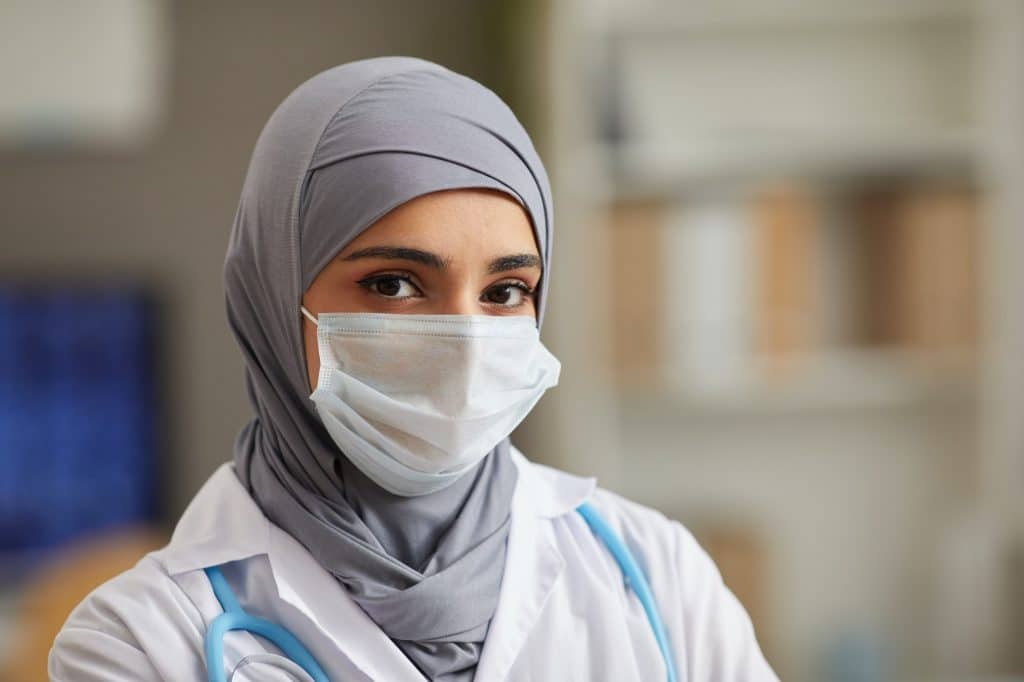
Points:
[(162, 216)]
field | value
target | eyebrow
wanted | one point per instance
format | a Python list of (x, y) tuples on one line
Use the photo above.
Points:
[(399, 253), (500, 264), (513, 262)]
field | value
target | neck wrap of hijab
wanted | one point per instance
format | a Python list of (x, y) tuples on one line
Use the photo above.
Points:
[(343, 149)]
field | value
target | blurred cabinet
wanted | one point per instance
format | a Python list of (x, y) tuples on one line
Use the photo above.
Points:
[(779, 242), (806, 173)]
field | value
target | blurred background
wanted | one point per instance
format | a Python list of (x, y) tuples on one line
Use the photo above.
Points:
[(787, 290)]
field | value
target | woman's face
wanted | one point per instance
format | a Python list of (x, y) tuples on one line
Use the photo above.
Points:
[(463, 252)]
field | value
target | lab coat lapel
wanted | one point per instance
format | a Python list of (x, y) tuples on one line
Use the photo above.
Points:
[(303, 583), (224, 524), (532, 567)]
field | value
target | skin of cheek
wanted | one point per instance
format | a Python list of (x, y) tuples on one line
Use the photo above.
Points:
[(468, 227)]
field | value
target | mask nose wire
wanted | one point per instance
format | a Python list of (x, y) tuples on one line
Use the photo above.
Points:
[(309, 315)]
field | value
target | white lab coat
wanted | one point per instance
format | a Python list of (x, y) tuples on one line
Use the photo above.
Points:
[(563, 613)]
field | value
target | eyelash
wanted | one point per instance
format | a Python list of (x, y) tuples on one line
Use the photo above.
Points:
[(526, 290), (368, 283)]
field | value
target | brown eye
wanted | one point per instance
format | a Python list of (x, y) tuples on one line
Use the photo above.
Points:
[(509, 295), (390, 286)]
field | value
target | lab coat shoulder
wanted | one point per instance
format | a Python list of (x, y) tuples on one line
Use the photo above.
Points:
[(122, 630), (711, 633)]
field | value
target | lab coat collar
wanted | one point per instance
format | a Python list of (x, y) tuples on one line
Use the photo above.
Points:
[(223, 522), (550, 492), (534, 563)]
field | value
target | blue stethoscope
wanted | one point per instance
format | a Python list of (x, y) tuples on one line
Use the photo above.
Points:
[(235, 618)]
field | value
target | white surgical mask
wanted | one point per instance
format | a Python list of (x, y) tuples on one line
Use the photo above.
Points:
[(415, 401)]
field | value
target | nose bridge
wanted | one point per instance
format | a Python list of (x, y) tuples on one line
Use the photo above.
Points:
[(461, 300), (457, 291)]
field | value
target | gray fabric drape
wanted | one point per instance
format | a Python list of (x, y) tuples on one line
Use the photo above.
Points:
[(342, 150)]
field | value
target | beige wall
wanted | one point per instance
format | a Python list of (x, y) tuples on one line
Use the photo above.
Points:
[(162, 216)]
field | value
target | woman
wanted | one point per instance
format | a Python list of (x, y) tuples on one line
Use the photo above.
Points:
[(386, 280)]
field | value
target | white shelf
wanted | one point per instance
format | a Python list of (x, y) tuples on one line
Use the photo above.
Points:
[(850, 380), (605, 170)]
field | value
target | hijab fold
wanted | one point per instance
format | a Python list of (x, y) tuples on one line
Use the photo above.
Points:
[(342, 150)]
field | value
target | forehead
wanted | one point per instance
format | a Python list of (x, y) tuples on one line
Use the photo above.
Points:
[(452, 221)]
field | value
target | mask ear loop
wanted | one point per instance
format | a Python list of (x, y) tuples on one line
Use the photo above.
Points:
[(309, 315), (312, 319)]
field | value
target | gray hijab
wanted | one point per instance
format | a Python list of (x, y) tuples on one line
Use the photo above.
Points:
[(343, 149)]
